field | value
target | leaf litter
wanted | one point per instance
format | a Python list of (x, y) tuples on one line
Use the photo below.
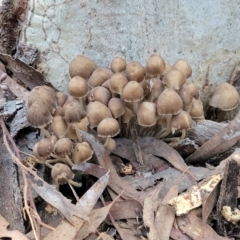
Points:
[(148, 202)]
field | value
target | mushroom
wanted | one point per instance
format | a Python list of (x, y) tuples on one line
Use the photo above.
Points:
[(133, 93), (39, 117), (116, 106), (63, 149), (118, 81), (100, 94), (78, 88), (174, 79), (43, 149), (45, 96), (184, 67), (187, 93), (126, 118), (58, 126), (82, 153), (81, 66), (99, 76), (74, 113), (61, 98), (118, 65), (108, 128), (62, 174), (155, 66), (225, 97), (96, 112), (156, 87), (169, 103), (197, 112), (135, 72), (181, 121)]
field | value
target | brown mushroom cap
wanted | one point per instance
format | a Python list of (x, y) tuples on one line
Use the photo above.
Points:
[(61, 173), (44, 96), (197, 112), (118, 65), (225, 97), (44, 148), (100, 94), (38, 115), (156, 87), (127, 116), (169, 103), (78, 87), (53, 139), (132, 92), (118, 81), (74, 112), (155, 65), (174, 79), (81, 66), (107, 85), (58, 126), (82, 153), (108, 127), (99, 76), (187, 92), (96, 112), (116, 106), (63, 147), (147, 114), (135, 71), (184, 67), (181, 121), (61, 98)]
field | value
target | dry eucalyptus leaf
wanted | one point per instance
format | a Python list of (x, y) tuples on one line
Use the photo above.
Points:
[(149, 209), (6, 234), (219, 143), (116, 183), (177, 234), (69, 231), (163, 150), (196, 228), (56, 199), (97, 216), (194, 196)]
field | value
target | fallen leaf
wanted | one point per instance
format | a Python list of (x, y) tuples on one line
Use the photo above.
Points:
[(163, 150), (219, 143), (115, 182), (56, 199), (177, 234), (197, 229), (68, 231), (149, 209), (6, 234)]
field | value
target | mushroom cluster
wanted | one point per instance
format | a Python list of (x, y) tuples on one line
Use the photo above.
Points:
[(156, 99)]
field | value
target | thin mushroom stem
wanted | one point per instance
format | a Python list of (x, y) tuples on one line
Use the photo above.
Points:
[(168, 131), (68, 160), (74, 192), (45, 132), (76, 184)]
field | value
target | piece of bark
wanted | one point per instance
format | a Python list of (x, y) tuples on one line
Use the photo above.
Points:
[(10, 195)]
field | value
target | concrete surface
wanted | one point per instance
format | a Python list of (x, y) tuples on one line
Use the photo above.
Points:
[(206, 33)]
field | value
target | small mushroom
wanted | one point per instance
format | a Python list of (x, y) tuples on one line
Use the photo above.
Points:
[(184, 67), (81, 66), (118, 65), (63, 149), (39, 117), (118, 81), (197, 112), (62, 174), (99, 76), (58, 126), (82, 153), (100, 94), (96, 112), (155, 66), (135, 72)]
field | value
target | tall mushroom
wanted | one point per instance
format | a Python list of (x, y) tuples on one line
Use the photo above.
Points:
[(155, 66)]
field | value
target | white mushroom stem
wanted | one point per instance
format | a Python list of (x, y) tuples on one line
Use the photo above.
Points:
[(45, 132), (163, 133), (74, 183), (66, 160)]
